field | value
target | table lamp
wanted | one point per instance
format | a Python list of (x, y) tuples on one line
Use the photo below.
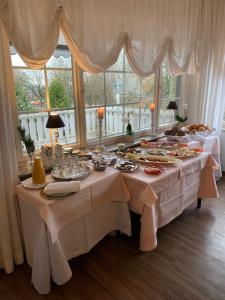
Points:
[(55, 122), (172, 106)]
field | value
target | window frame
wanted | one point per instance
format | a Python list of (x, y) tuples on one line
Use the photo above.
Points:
[(79, 104), (48, 109)]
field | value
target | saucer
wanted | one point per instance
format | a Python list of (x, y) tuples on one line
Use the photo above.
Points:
[(28, 184)]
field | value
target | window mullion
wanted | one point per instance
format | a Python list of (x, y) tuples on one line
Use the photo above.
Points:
[(157, 99), (48, 101), (104, 103), (77, 75)]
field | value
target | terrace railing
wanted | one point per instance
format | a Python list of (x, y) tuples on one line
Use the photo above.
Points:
[(35, 122)]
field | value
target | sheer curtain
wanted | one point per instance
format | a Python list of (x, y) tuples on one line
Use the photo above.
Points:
[(206, 90), (96, 30), (10, 241)]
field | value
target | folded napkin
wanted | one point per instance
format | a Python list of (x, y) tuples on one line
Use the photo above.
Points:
[(55, 188)]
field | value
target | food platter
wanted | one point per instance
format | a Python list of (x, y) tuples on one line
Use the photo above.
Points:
[(183, 154), (84, 172), (126, 167), (163, 145), (146, 159), (197, 129)]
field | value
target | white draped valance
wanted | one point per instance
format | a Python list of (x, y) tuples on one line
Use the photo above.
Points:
[(96, 30)]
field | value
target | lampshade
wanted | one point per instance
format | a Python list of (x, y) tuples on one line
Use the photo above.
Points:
[(54, 121), (172, 105)]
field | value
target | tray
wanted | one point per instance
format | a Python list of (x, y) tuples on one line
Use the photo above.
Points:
[(84, 173), (153, 159)]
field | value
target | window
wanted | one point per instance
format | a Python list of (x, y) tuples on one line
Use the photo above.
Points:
[(41, 91), (119, 90), (170, 88)]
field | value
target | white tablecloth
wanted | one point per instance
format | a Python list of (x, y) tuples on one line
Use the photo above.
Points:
[(210, 144), (57, 230), (161, 199)]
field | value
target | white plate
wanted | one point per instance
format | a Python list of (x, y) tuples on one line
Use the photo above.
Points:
[(28, 184), (56, 196)]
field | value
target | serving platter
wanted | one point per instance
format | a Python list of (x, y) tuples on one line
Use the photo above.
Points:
[(146, 159), (83, 173), (187, 153)]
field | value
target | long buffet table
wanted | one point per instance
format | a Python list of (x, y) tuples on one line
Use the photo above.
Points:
[(57, 230)]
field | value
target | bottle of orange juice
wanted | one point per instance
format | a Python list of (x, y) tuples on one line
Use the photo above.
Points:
[(38, 172)]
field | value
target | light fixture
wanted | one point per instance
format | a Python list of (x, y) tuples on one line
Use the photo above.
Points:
[(172, 106), (55, 122)]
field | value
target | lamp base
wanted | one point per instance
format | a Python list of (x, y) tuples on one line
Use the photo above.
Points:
[(56, 136)]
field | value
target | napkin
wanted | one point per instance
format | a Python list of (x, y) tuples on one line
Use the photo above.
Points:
[(55, 188)]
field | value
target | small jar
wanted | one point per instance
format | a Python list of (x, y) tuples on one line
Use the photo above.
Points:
[(38, 172)]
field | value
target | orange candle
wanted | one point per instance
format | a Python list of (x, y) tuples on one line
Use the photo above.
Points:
[(100, 113), (152, 106)]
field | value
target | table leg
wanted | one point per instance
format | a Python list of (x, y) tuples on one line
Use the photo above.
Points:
[(199, 204)]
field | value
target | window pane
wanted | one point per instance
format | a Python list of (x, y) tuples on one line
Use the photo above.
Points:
[(61, 61), (114, 88), (119, 65), (121, 92), (145, 116), (168, 83), (17, 60), (148, 88), (134, 113), (30, 90), (114, 120), (166, 116), (92, 124), (94, 89), (169, 90), (131, 87), (60, 88), (34, 123), (67, 134)]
